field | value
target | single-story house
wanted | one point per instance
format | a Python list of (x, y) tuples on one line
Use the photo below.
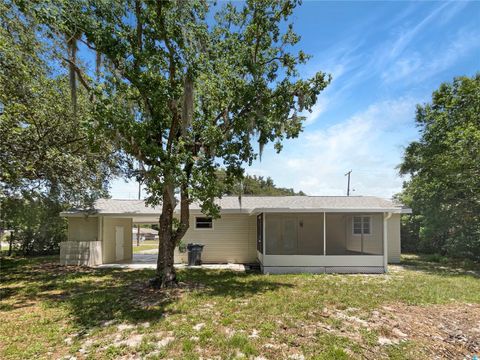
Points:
[(338, 234)]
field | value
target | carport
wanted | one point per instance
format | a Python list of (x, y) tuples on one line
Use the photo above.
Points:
[(104, 235)]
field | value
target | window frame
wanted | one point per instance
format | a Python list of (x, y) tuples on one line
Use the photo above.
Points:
[(362, 222), (203, 228)]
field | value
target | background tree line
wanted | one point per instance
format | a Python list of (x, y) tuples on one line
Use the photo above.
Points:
[(257, 186), (443, 172)]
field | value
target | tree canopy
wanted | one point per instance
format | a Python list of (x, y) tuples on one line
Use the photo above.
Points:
[(44, 142), (53, 155), (444, 171)]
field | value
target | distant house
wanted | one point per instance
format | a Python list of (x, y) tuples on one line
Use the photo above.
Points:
[(355, 234), (145, 233)]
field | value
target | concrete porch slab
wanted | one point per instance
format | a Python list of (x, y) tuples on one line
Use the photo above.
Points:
[(149, 261)]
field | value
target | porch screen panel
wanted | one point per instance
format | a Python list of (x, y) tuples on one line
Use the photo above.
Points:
[(354, 234), (336, 242), (294, 234), (281, 234), (289, 238), (273, 234), (310, 234)]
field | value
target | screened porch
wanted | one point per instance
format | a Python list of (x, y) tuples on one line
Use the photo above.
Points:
[(321, 242)]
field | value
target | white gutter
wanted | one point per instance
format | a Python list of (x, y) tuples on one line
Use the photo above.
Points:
[(334, 210)]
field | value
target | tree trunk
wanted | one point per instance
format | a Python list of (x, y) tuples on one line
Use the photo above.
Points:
[(138, 235), (165, 274), (168, 238), (10, 242)]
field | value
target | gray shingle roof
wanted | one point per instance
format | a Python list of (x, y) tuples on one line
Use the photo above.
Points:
[(250, 204), (305, 202)]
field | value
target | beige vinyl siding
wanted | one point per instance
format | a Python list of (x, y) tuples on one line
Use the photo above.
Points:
[(232, 239), (109, 225), (252, 238), (393, 238), (83, 228)]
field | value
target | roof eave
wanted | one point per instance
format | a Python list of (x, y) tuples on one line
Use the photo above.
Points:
[(247, 211), (333, 210), (77, 214)]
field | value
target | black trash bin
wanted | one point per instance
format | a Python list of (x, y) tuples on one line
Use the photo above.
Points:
[(194, 254)]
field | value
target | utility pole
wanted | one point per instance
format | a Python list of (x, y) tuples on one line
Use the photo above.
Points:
[(348, 183)]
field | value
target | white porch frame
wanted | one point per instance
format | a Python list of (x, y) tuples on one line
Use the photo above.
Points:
[(322, 263)]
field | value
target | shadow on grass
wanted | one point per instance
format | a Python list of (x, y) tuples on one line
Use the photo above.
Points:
[(231, 283), (93, 296), (442, 266)]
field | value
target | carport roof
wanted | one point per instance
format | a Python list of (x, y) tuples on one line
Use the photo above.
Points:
[(253, 204)]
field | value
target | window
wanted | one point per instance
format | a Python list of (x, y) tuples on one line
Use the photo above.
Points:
[(361, 225), (203, 223)]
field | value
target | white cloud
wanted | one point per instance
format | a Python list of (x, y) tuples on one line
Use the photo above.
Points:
[(318, 109), (122, 189), (416, 67), (368, 143), (408, 36), (340, 60), (403, 68)]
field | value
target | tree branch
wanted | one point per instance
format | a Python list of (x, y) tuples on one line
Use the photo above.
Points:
[(172, 73), (79, 73)]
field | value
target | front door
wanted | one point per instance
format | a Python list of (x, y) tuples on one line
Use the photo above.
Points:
[(119, 245)]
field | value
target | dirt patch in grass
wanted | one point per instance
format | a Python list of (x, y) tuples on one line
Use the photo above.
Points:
[(442, 331)]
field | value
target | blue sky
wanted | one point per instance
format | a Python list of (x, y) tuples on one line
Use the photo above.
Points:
[(385, 57)]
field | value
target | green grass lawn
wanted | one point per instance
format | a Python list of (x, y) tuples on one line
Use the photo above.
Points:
[(422, 309), (144, 245)]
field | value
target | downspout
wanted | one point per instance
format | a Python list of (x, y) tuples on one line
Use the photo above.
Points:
[(385, 240)]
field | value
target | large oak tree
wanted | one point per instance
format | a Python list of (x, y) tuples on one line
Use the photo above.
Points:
[(200, 84)]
